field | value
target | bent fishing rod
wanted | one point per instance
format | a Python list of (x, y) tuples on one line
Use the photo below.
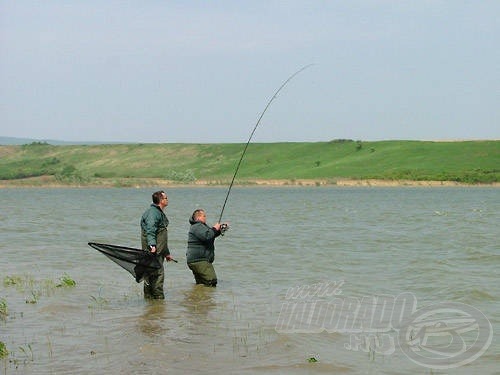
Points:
[(253, 131)]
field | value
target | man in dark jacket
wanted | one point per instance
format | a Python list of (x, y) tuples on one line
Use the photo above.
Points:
[(154, 238), (201, 250)]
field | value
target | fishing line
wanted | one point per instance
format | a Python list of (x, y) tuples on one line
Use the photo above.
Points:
[(253, 131)]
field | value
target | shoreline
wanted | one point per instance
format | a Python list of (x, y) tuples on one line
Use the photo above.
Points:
[(51, 182)]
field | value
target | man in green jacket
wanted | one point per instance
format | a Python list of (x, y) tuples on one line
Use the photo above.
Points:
[(154, 238), (201, 249)]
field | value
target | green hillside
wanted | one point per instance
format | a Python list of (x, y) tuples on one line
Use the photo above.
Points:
[(467, 161)]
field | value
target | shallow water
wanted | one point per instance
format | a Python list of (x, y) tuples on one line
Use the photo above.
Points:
[(439, 244)]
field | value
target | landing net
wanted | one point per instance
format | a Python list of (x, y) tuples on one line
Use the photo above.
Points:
[(138, 262)]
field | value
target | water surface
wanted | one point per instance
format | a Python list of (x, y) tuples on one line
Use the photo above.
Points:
[(439, 244)]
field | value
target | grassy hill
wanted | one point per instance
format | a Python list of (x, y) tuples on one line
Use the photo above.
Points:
[(467, 161)]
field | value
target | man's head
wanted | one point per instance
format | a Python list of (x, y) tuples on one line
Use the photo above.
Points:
[(199, 215), (160, 198)]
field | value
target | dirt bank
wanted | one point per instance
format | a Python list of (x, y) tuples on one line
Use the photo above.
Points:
[(51, 182)]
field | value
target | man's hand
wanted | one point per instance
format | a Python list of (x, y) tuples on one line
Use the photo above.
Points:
[(169, 258)]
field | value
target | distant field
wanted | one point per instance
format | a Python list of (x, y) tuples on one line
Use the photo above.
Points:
[(469, 162)]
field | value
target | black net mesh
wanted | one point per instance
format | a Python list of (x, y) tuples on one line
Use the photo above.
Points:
[(138, 262)]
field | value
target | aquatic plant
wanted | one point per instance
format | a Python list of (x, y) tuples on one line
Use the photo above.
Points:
[(21, 283), (3, 309), (34, 297), (312, 360), (12, 280), (98, 301), (28, 352), (49, 344), (37, 288), (3, 350), (66, 281)]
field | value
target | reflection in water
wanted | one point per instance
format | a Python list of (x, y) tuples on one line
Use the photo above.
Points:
[(199, 300), (150, 322)]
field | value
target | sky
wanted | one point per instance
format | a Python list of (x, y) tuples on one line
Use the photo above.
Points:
[(203, 71)]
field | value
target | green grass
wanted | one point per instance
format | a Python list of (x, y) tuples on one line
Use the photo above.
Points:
[(467, 161)]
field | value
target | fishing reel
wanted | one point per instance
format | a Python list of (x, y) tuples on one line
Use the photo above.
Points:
[(223, 228)]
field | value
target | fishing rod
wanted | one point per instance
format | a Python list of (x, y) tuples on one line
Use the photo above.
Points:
[(251, 135)]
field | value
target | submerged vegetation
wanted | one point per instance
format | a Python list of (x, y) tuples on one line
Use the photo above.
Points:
[(66, 281), (3, 350), (34, 288), (3, 309), (468, 162)]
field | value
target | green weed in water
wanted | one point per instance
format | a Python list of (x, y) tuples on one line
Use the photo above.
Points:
[(37, 288), (34, 297), (66, 281), (3, 309), (21, 283), (49, 343), (3, 350), (12, 280), (98, 301), (312, 360), (28, 352)]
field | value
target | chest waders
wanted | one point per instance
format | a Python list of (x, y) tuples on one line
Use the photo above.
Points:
[(153, 284)]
